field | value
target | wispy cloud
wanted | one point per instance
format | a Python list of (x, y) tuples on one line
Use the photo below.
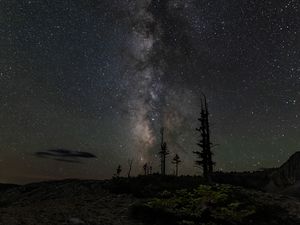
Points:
[(64, 155)]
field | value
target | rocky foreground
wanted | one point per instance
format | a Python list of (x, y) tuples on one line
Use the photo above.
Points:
[(64, 202), (91, 203)]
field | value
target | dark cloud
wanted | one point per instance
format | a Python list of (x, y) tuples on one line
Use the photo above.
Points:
[(65, 155), (68, 160)]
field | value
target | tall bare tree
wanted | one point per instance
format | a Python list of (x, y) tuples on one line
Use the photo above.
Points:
[(130, 161), (176, 161), (163, 153), (205, 154), (146, 169)]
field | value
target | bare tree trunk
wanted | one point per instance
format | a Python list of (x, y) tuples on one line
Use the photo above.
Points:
[(205, 155), (130, 161), (163, 153)]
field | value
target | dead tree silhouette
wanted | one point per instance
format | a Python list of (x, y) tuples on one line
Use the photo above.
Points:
[(146, 169), (205, 155), (130, 161), (163, 153), (176, 161), (118, 172)]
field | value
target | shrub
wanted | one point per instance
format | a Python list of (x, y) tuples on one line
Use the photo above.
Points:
[(221, 204)]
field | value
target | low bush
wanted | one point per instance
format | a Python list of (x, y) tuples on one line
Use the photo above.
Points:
[(209, 205)]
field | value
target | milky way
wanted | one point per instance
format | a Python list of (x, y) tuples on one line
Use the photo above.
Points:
[(154, 101), (103, 77), (145, 95)]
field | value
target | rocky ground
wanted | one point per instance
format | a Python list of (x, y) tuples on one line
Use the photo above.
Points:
[(64, 202), (87, 202), (288, 207)]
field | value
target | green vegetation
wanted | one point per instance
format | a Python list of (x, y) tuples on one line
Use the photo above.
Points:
[(206, 205), (189, 200)]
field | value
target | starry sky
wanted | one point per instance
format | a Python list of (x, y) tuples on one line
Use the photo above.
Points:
[(86, 85)]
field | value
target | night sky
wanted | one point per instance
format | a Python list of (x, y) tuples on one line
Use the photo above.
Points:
[(86, 85)]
